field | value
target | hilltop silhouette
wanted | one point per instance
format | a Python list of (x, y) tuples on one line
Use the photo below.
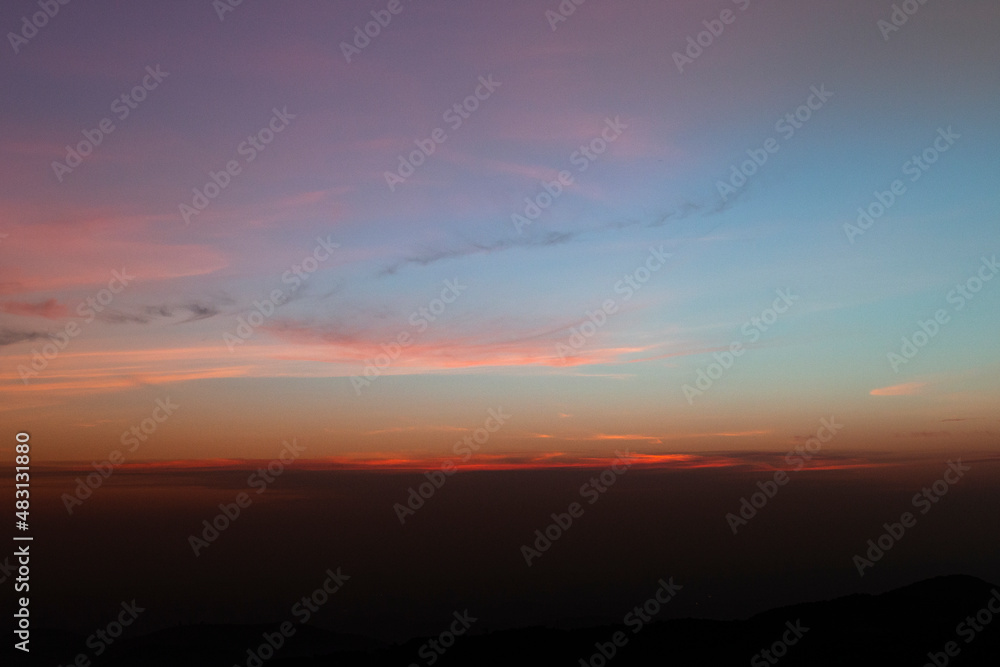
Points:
[(900, 627)]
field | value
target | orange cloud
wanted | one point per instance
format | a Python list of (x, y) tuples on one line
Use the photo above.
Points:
[(655, 439), (84, 371), (398, 463), (410, 429), (531, 348), (445, 354), (908, 389)]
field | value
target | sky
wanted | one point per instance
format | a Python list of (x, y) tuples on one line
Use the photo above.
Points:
[(673, 228)]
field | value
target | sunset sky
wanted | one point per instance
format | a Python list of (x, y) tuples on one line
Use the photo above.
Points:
[(593, 321)]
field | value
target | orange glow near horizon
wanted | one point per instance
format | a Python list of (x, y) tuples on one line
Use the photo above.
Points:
[(487, 462)]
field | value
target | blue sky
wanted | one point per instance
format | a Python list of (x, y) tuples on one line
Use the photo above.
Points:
[(655, 185)]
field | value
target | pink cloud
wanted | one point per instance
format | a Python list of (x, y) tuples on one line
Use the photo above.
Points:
[(50, 309), (84, 252)]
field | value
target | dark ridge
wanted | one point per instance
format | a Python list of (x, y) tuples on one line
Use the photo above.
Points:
[(900, 627)]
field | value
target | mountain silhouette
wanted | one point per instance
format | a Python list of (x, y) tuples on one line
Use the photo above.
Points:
[(908, 626)]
